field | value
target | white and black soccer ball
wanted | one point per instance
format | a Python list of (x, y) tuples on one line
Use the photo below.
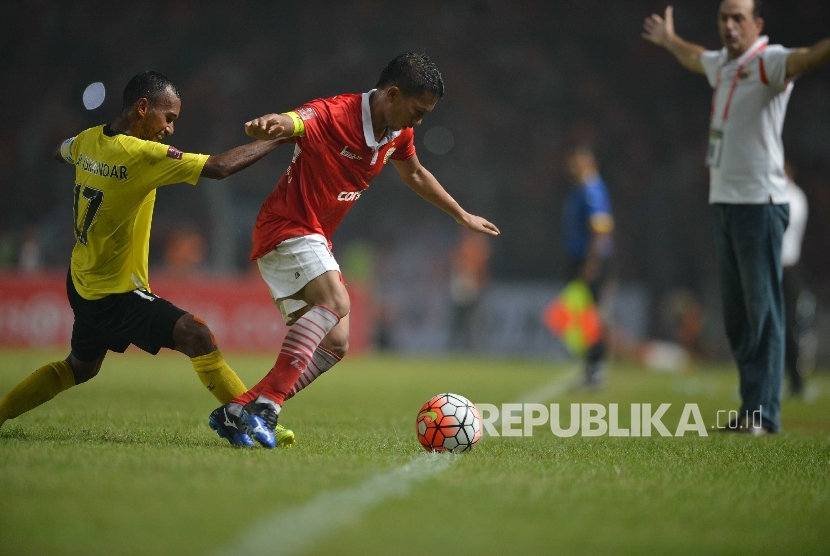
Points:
[(448, 423)]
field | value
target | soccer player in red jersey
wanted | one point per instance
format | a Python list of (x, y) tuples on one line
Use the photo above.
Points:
[(341, 144)]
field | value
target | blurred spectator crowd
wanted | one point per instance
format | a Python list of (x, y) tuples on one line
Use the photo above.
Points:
[(524, 81)]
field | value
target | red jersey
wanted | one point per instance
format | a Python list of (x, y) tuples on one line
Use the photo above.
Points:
[(333, 163)]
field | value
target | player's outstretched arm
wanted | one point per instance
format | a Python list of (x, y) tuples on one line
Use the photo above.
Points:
[(232, 161), (660, 31), (802, 60), (422, 182)]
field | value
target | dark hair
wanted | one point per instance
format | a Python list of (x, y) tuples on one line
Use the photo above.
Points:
[(414, 74), (756, 8), (149, 85)]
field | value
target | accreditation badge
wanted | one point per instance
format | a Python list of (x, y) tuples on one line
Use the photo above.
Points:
[(715, 148)]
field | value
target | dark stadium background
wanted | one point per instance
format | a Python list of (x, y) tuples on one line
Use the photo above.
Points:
[(524, 80)]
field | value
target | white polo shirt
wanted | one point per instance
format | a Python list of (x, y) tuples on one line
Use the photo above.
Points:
[(746, 155)]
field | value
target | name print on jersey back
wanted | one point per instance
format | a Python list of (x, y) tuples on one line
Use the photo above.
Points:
[(115, 171)]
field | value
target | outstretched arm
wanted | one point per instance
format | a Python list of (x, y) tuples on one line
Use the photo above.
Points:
[(56, 154), (802, 60), (232, 161), (660, 31), (422, 182)]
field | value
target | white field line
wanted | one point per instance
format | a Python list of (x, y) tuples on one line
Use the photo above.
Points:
[(550, 391), (553, 389), (296, 529)]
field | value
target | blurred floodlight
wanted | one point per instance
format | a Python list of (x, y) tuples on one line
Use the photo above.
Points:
[(439, 140), (94, 95)]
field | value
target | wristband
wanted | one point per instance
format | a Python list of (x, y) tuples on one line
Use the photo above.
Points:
[(602, 222), (299, 126), (66, 150)]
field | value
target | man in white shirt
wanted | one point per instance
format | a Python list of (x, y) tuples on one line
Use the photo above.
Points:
[(752, 81)]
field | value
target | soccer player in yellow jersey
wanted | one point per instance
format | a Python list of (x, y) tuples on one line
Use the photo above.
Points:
[(117, 170)]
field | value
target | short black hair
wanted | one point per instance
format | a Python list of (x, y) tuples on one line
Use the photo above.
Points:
[(414, 74), (149, 85), (756, 8)]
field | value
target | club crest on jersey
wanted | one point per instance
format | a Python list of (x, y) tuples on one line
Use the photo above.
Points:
[(348, 196), (345, 152), (306, 113), (174, 153), (388, 154)]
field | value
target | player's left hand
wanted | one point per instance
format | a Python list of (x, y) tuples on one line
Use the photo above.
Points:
[(264, 128), (478, 224)]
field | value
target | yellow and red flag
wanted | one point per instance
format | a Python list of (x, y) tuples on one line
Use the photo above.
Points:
[(573, 317)]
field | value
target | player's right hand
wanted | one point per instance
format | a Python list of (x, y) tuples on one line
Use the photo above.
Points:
[(265, 127), (478, 224), (659, 30)]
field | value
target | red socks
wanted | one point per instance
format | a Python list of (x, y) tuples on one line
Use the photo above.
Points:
[(297, 352), (322, 361)]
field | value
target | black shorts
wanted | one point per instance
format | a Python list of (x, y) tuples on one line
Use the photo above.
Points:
[(118, 320)]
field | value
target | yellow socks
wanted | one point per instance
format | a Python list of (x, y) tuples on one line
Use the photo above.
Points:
[(36, 389), (52, 379), (218, 377)]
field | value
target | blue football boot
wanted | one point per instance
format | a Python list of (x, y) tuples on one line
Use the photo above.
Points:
[(262, 423), (230, 427)]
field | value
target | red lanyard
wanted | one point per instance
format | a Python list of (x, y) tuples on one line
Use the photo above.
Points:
[(748, 59)]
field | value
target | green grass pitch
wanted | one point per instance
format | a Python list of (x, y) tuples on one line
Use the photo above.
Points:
[(127, 464)]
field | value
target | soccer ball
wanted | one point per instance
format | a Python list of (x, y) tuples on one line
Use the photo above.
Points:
[(448, 423)]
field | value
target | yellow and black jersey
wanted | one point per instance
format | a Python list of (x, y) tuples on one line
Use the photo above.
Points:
[(116, 177)]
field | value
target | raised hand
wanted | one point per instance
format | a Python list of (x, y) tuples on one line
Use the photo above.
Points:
[(659, 30)]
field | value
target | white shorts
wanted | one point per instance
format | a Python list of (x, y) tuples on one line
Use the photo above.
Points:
[(290, 266)]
